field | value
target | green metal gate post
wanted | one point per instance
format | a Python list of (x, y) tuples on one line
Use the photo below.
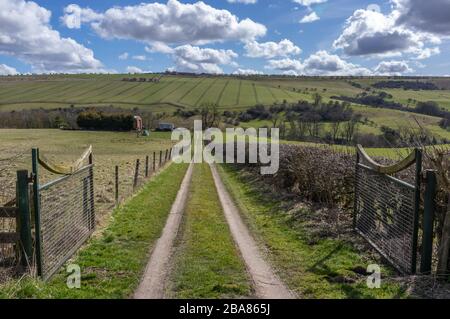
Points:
[(37, 212), (416, 209), (24, 218), (428, 221)]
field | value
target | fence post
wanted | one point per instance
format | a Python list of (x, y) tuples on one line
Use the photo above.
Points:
[(91, 190), (136, 175), (117, 185), (160, 158), (37, 211), (428, 221), (154, 162), (146, 166), (170, 154), (24, 218), (165, 156), (355, 202), (416, 209)]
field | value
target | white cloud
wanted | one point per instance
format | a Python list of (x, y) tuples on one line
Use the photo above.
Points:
[(308, 3), (7, 70), (202, 60), (269, 50), (319, 63), (74, 16), (247, 72), (124, 56), (323, 63), (310, 18), (286, 65), (26, 33), (172, 23), (134, 70), (427, 53), (159, 47), (371, 33), (393, 68), (139, 57), (243, 1)]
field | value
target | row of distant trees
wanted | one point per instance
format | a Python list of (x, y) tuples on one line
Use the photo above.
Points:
[(99, 118)]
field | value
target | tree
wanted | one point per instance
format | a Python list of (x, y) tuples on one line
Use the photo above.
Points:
[(317, 99), (350, 128), (210, 115)]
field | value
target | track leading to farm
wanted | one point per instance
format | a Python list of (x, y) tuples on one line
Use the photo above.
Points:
[(266, 282), (154, 279), (206, 250)]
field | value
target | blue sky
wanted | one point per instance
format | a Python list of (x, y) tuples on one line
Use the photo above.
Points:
[(337, 37)]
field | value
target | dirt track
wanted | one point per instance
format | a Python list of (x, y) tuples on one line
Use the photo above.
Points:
[(153, 282), (266, 283)]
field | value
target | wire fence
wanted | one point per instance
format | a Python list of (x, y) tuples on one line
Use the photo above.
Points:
[(67, 204), (385, 215), (66, 218), (130, 178)]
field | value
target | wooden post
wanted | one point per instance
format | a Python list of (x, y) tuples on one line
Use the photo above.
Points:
[(418, 153), (37, 210), (165, 156), (160, 158), (117, 185), (91, 186), (355, 202), (428, 221), (136, 175), (154, 162), (170, 154), (24, 218), (146, 166), (443, 267)]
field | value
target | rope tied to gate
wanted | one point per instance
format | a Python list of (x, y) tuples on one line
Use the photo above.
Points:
[(384, 169), (65, 169)]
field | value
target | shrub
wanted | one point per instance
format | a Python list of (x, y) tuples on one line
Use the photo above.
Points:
[(97, 120)]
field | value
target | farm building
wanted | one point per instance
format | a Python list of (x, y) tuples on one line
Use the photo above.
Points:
[(138, 124)]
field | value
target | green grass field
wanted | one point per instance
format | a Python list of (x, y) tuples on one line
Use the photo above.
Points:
[(112, 264), (229, 93), (109, 149), (188, 92)]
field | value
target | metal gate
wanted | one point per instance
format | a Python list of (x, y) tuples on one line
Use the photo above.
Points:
[(64, 212), (387, 209)]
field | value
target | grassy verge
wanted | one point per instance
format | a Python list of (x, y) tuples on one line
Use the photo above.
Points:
[(207, 264), (111, 265), (327, 268)]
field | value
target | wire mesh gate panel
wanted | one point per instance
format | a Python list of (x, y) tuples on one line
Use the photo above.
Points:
[(385, 215), (66, 218)]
